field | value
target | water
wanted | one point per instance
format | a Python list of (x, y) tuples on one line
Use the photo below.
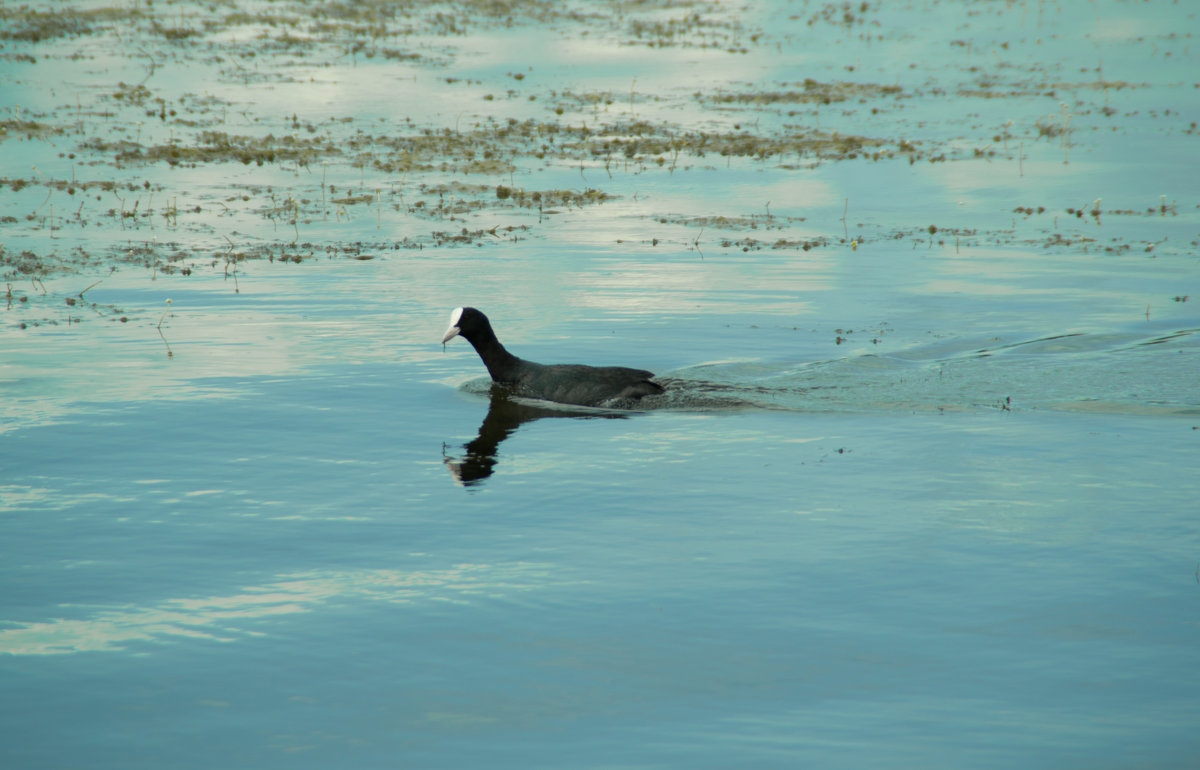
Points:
[(913, 498)]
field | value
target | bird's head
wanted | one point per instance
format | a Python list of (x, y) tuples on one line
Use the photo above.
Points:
[(465, 321)]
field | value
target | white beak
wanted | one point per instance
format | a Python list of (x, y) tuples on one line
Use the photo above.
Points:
[(452, 332)]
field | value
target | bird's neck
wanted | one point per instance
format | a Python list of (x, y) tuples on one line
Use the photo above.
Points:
[(501, 364)]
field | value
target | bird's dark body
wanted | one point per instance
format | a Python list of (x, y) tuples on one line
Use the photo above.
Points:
[(563, 383), (580, 384)]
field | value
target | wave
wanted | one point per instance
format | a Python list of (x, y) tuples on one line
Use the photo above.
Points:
[(1109, 372)]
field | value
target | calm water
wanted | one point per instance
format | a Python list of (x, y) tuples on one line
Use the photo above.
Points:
[(924, 500)]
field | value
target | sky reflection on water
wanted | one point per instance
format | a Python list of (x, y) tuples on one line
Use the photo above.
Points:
[(922, 277)]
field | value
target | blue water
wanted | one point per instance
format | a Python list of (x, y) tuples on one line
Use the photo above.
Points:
[(913, 499), (309, 583)]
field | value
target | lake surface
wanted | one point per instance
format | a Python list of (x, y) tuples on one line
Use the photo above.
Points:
[(922, 280)]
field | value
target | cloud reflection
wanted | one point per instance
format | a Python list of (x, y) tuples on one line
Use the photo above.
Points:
[(232, 617)]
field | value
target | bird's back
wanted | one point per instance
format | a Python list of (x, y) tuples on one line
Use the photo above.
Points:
[(583, 385)]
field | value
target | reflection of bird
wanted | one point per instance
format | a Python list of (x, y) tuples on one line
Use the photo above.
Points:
[(504, 416), (564, 383)]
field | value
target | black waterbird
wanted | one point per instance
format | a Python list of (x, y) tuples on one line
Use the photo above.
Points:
[(564, 383)]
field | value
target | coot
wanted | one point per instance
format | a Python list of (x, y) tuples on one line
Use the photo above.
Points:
[(564, 383)]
